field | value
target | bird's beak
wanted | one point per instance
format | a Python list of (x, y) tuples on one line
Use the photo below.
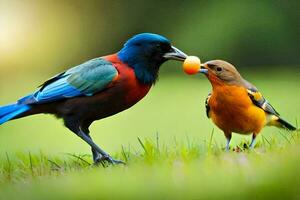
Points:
[(175, 54), (203, 69)]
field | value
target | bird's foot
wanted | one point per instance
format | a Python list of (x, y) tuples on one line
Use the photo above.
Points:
[(108, 159)]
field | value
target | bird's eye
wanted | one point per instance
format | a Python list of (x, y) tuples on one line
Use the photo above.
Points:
[(162, 47), (219, 69)]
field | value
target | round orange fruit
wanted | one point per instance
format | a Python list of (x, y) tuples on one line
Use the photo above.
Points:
[(191, 65)]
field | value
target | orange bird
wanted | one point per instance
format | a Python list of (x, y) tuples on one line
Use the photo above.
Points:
[(235, 105)]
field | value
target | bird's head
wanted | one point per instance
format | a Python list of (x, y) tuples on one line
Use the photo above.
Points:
[(146, 52), (221, 72)]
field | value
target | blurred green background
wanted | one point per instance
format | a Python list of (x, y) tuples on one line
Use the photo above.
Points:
[(41, 38)]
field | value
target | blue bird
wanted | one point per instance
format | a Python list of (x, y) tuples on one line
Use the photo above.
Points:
[(98, 88)]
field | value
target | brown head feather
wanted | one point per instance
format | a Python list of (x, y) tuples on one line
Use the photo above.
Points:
[(223, 72)]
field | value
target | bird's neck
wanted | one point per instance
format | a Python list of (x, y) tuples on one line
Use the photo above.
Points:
[(215, 81), (145, 70), (147, 73)]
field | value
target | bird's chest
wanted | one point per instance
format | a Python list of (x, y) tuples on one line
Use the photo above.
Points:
[(130, 89), (232, 110)]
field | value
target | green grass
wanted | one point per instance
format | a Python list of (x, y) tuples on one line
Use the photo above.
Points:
[(179, 153), (157, 171)]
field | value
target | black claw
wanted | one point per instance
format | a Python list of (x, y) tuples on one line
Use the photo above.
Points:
[(102, 160), (113, 161)]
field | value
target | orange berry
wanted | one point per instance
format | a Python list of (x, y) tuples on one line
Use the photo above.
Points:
[(191, 65)]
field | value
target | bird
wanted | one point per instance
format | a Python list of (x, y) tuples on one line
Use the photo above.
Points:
[(98, 88), (235, 105)]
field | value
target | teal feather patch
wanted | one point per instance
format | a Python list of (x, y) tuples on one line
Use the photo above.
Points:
[(83, 80), (93, 77)]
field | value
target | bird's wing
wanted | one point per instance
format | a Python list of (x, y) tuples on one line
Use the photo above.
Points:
[(207, 105), (259, 100), (83, 80)]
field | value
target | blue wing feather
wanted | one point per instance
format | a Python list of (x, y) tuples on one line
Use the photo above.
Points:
[(57, 90), (83, 80)]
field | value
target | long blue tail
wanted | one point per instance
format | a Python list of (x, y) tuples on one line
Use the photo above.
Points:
[(8, 112)]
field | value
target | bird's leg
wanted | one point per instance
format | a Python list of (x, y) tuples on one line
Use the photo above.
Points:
[(83, 133), (227, 144), (95, 147), (252, 144), (97, 157), (228, 138)]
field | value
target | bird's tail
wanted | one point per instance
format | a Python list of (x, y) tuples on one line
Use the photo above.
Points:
[(281, 123), (286, 125), (11, 111)]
